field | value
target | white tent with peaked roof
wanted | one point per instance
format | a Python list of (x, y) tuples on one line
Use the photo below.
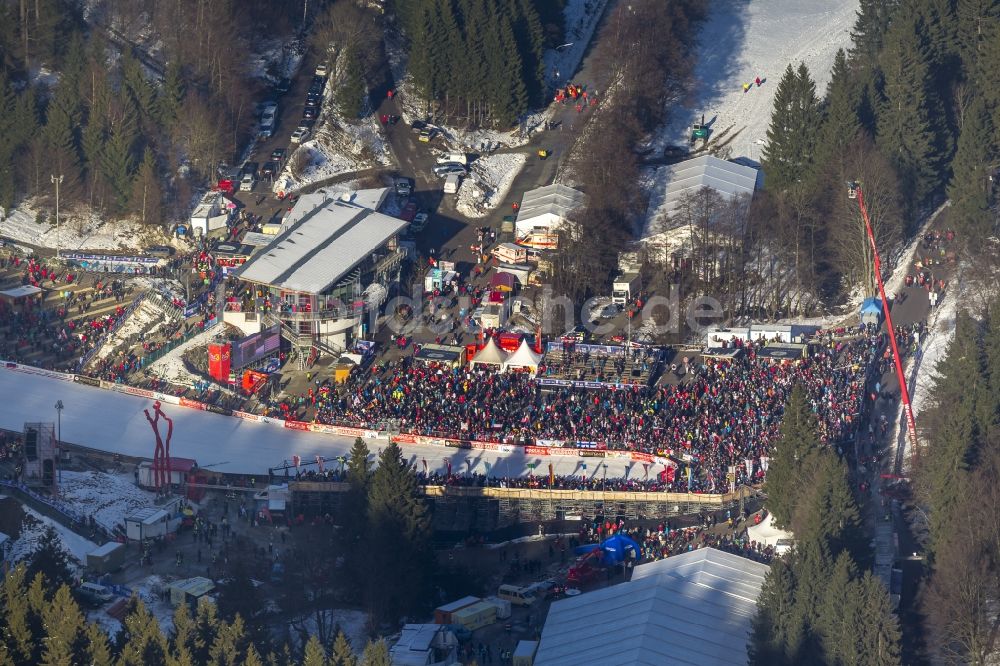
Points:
[(491, 354), (524, 358)]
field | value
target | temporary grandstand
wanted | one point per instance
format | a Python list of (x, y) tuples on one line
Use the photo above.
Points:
[(693, 608), (599, 366)]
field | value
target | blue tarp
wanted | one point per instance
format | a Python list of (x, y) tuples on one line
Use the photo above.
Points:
[(871, 305)]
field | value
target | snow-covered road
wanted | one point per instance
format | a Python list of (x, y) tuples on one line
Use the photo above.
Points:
[(112, 421)]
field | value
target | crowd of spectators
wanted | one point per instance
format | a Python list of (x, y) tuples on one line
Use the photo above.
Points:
[(726, 412)]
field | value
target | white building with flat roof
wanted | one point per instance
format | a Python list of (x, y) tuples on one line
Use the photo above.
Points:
[(333, 260)]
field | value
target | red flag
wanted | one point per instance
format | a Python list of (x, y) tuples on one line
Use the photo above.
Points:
[(296, 460), (319, 461), (552, 476)]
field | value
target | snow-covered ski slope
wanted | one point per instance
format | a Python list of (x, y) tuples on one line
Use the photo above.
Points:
[(742, 40), (111, 421)]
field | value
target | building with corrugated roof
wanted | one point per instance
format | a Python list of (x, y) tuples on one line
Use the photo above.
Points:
[(693, 608)]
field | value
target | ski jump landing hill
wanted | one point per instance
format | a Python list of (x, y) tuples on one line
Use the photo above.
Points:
[(109, 417)]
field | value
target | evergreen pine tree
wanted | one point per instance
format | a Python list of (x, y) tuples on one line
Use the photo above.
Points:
[(796, 444), (253, 657), (50, 559), (399, 539), (869, 30), (376, 654), (185, 640), (969, 189), (777, 633), (206, 628), (973, 21), (142, 639), (314, 655), (834, 625), (65, 642), (147, 196), (351, 91), (19, 636), (230, 644), (171, 97), (92, 140), (342, 654), (791, 137), (138, 88), (841, 126), (9, 143), (62, 119), (97, 651), (878, 635), (118, 157), (826, 508), (910, 121)]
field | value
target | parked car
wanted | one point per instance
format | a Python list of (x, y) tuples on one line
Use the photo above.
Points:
[(278, 155), (300, 134), (419, 222), (404, 186), (250, 168), (418, 126), (283, 86), (307, 122), (162, 251), (93, 594), (427, 134), (319, 81), (269, 170), (309, 113), (445, 170), (248, 183), (312, 100), (409, 212), (269, 105), (321, 69)]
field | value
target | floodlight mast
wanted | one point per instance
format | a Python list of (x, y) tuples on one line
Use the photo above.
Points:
[(854, 192)]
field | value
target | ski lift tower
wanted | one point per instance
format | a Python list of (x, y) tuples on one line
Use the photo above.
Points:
[(854, 192)]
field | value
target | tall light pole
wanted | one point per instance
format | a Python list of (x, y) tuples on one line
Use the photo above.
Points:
[(57, 181), (59, 407)]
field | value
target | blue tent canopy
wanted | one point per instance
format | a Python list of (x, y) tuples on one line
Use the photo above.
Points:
[(871, 305)]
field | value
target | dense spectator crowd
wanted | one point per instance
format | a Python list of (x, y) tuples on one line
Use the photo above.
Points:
[(726, 412), (64, 332)]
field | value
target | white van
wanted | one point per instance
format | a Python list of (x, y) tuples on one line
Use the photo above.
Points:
[(517, 596), (454, 158), (248, 183), (451, 184)]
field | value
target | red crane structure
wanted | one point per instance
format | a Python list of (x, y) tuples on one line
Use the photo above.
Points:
[(854, 192), (161, 455)]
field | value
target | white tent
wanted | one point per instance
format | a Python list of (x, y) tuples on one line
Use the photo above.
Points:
[(491, 354), (691, 609), (768, 533), (525, 358), (547, 208)]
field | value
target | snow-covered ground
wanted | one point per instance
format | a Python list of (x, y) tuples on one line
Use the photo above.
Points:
[(78, 230), (149, 315), (171, 366), (106, 497), (741, 41), (336, 147), (352, 622), (489, 183), (31, 532)]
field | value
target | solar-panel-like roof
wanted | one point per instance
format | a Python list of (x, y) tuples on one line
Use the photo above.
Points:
[(321, 247)]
